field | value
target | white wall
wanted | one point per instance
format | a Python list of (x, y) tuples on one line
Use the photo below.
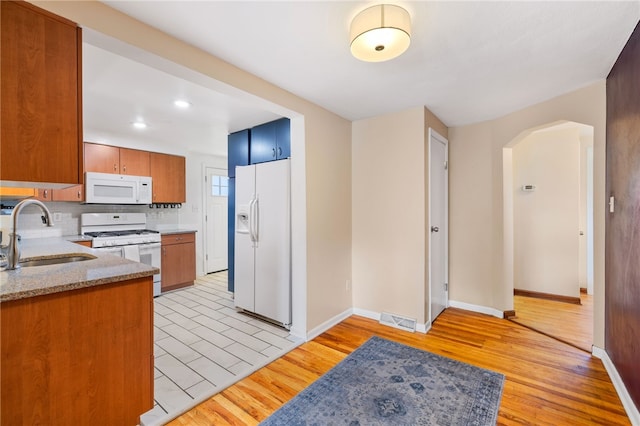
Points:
[(192, 212), (389, 213), (547, 220)]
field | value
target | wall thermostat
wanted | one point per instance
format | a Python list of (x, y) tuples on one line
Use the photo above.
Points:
[(528, 188)]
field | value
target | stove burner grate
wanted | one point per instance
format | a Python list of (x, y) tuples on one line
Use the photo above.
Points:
[(102, 234)]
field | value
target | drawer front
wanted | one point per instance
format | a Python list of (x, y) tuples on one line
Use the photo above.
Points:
[(189, 237)]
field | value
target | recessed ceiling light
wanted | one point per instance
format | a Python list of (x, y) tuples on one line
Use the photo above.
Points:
[(181, 104), (139, 124)]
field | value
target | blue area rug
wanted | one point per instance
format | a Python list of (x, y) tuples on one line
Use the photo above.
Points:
[(387, 383)]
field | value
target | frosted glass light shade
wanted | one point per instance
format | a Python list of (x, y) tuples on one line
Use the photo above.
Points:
[(380, 33)]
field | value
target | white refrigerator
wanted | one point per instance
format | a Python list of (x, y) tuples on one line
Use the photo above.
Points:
[(263, 240)]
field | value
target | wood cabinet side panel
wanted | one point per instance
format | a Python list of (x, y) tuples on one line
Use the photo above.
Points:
[(78, 357)]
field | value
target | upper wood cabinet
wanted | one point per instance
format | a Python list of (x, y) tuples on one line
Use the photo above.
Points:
[(113, 159), (101, 158), (41, 102), (73, 193), (168, 178), (134, 162)]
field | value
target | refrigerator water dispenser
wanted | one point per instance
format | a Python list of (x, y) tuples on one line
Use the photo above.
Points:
[(242, 219)]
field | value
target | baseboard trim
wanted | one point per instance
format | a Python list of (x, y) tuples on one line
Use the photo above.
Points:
[(618, 384), (583, 290), (476, 308), (423, 328), (509, 314), (316, 331), (547, 296), (367, 314)]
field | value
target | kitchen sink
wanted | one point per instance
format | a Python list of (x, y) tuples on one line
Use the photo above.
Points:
[(55, 260)]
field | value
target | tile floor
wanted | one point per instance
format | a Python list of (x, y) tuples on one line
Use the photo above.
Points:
[(202, 345)]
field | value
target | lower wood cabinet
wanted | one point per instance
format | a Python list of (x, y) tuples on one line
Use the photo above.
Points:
[(178, 266), (80, 357)]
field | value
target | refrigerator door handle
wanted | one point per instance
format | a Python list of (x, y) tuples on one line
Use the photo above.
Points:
[(254, 220), (250, 221)]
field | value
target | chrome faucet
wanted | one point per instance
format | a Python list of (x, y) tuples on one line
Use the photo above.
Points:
[(12, 249)]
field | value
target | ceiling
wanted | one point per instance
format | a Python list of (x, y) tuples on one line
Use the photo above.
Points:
[(467, 62)]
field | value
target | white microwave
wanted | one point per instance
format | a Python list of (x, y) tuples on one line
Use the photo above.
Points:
[(107, 188)]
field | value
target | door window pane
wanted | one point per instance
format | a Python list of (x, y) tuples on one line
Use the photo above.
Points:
[(220, 186)]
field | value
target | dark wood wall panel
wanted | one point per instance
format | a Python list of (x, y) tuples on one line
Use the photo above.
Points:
[(622, 263)]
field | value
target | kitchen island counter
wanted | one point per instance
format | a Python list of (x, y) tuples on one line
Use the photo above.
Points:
[(34, 281)]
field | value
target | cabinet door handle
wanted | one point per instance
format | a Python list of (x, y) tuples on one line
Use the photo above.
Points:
[(279, 151), (79, 195), (164, 251), (46, 193), (274, 152), (115, 167), (124, 169)]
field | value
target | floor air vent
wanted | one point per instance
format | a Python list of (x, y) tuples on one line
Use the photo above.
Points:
[(403, 323)]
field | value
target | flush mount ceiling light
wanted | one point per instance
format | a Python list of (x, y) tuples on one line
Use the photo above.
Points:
[(139, 124), (181, 103), (380, 33)]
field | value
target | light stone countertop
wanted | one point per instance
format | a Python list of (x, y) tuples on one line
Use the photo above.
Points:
[(77, 238), (33, 281)]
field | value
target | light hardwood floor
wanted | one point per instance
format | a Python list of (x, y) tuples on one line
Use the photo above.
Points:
[(567, 322), (547, 382)]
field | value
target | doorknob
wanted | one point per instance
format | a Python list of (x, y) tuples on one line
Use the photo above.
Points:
[(434, 229)]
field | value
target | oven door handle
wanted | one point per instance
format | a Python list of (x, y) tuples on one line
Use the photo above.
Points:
[(149, 245), (110, 250)]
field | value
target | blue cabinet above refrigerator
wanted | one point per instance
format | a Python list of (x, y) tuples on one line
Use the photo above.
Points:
[(238, 150), (270, 141)]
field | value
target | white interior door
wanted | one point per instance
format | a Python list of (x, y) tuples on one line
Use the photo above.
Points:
[(216, 256), (438, 224)]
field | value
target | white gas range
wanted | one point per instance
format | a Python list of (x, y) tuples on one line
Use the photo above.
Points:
[(124, 235)]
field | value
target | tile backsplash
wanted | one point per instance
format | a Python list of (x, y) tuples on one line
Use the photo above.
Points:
[(66, 218)]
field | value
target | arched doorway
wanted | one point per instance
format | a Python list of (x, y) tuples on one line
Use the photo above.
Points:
[(548, 197)]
